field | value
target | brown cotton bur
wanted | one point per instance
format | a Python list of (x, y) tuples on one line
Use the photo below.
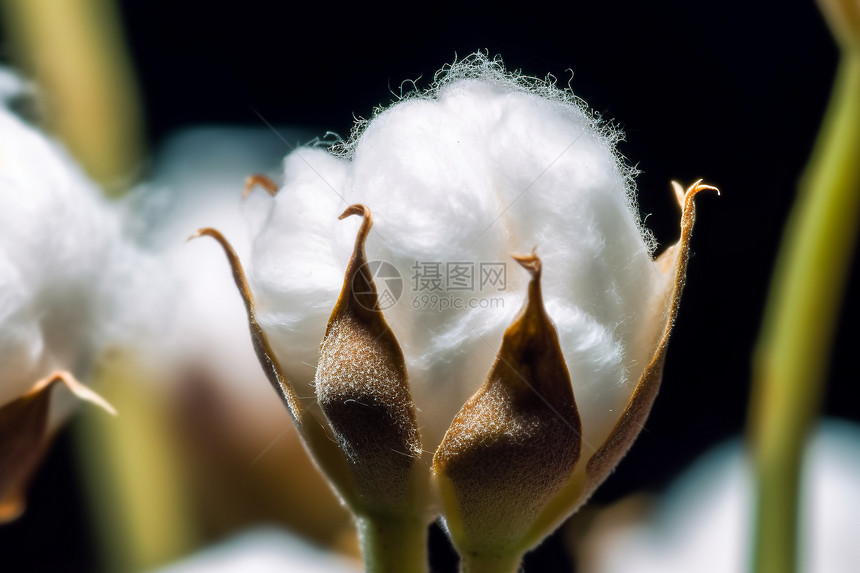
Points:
[(516, 442), (25, 437), (361, 386)]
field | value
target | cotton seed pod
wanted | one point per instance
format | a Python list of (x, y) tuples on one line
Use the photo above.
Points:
[(476, 167), (516, 442), (474, 502), (361, 386), (466, 172)]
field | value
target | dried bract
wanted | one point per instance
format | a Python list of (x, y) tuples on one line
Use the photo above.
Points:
[(25, 434), (515, 442), (362, 388)]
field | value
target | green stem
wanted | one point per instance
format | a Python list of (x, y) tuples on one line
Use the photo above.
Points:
[(483, 564), (791, 357), (393, 544), (139, 496)]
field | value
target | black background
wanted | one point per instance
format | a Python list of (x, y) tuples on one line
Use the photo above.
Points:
[(729, 91)]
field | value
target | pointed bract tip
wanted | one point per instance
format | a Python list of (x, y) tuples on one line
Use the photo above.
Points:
[(530, 262), (81, 391), (362, 389), (84, 393)]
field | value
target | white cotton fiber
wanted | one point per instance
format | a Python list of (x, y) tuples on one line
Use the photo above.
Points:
[(197, 178), (64, 266), (483, 165)]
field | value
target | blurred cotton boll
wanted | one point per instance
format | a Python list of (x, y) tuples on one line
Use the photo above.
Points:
[(703, 521), (65, 266), (483, 165), (67, 274), (55, 234), (197, 177)]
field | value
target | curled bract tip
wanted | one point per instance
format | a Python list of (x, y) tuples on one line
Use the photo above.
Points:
[(684, 195), (530, 262), (356, 209), (698, 186), (366, 224), (201, 232), (254, 180)]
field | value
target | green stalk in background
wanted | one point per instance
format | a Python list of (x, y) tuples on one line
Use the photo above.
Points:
[(75, 52), (790, 361), (138, 494)]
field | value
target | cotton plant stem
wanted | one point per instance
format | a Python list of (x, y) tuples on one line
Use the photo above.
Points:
[(791, 357), (393, 545), (508, 564), (139, 499)]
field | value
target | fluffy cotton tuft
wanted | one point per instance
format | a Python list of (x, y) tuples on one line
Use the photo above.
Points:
[(196, 182), (482, 165), (65, 269)]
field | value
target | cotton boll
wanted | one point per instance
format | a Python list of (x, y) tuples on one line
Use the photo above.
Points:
[(481, 166), (72, 286), (65, 266)]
